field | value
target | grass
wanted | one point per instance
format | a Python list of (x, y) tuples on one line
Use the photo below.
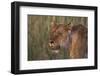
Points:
[(38, 36)]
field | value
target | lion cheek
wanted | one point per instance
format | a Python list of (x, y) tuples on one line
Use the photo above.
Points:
[(62, 44)]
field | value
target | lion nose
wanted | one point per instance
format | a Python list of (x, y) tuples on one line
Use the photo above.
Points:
[(51, 42)]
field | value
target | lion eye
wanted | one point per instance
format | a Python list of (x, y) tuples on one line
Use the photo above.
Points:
[(59, 33)]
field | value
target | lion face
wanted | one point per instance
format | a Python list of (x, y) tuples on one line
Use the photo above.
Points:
[(58, 36), (72, 38)]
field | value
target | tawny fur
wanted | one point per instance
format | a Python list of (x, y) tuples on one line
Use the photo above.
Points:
[(78, 44)]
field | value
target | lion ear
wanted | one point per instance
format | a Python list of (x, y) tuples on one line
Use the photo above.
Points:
[(53, 21), (68, 26), (53, 24)]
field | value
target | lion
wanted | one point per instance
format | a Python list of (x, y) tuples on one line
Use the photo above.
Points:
[(70, 37)]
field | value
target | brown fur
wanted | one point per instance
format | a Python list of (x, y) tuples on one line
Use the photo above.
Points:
[(77, 44)]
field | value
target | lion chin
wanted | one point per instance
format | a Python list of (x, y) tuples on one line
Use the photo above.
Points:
[(55, 51)]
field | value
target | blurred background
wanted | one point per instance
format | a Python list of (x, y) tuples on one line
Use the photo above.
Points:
[(38, 35)]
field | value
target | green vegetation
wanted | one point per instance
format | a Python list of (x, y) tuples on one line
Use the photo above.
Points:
[(38, 36)]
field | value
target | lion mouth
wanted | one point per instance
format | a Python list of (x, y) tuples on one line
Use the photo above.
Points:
[(54, 47)]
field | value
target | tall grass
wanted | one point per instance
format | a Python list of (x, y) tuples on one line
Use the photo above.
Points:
[(38, 35)]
